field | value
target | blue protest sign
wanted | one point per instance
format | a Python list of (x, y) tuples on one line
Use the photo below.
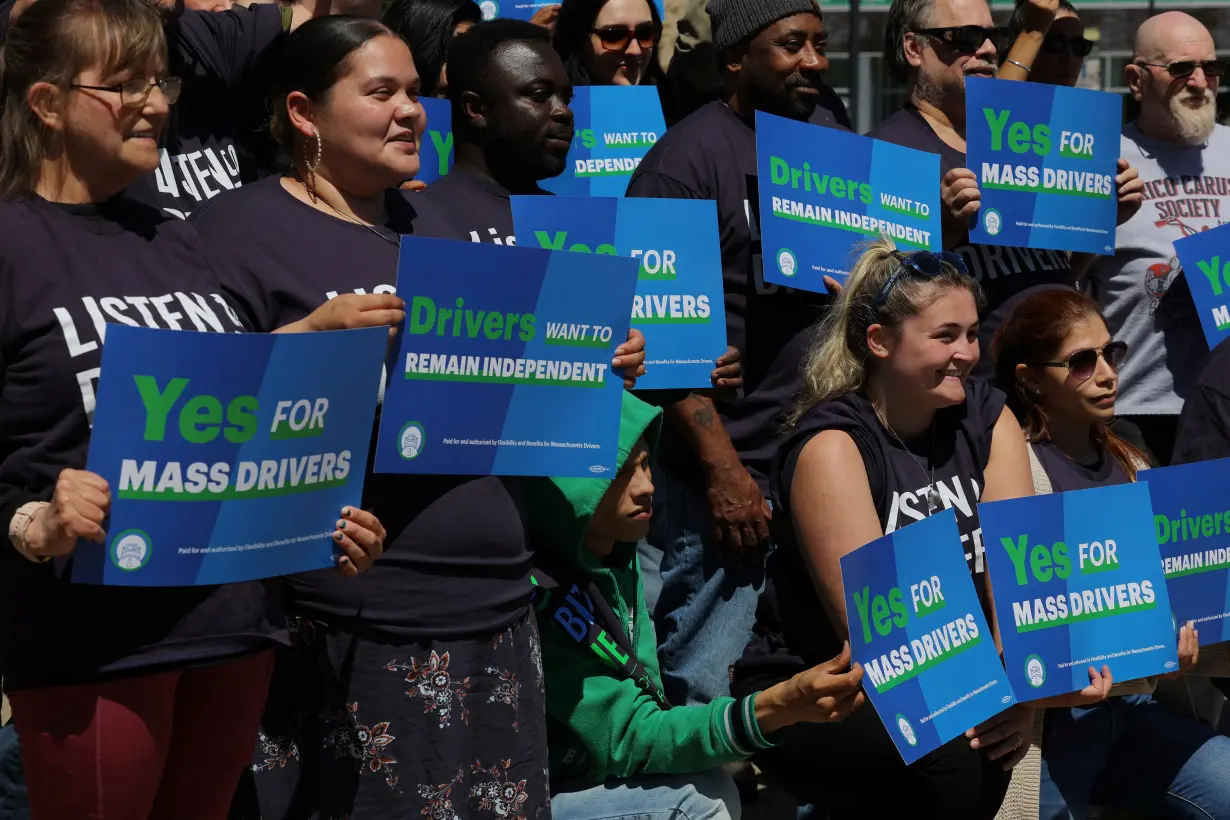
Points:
[(526, 9), (229, 456), (436, 147), (1078, 583), (824, 191), (1191, 518), (1046, 158), (930, 665), (1208, 277), (503, 364), (679, 301), (616, 125)]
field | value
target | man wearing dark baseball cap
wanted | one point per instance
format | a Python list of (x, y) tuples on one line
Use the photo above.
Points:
[(711, 517)]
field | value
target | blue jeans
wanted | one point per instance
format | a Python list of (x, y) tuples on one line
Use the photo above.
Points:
[(1131, 752), (14, 803), (710, 795), (706, 609)]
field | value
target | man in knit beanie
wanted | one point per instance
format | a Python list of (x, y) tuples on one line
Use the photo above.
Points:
[(710, 528)]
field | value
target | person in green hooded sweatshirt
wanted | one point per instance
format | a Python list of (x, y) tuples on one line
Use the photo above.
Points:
[(617, 748)]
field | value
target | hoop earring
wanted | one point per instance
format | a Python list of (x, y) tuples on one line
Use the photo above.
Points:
[(315, 161)]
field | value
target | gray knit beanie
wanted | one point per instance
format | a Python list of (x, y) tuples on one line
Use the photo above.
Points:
[(736, 20)]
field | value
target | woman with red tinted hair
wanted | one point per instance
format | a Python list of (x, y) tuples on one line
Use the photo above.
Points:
[(1059, 366)]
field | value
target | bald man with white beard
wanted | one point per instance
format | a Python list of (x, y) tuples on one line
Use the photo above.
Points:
[(1183, 157)]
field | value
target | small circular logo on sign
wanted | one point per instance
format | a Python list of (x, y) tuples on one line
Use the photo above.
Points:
[(1035, 670), (786, 263), (489, 8), (130, 550), (993, 222), (410, 440), (907, 731)]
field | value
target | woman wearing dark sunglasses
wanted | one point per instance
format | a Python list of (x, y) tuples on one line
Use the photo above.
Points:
[(1060, 366), (888, 429), (1060, 48), (609, 42)]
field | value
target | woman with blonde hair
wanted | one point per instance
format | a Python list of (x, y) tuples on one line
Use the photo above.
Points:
[(889, 428)]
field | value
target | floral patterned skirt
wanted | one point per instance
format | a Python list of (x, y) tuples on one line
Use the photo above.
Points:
[(356, 728)]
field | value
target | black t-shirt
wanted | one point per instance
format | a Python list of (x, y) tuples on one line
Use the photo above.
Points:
[(66, 271), (477, 206), (793, 630), (712, 155), (1204, 425), (218, 55), (1007, 275), (1067, 475), (456, 558)]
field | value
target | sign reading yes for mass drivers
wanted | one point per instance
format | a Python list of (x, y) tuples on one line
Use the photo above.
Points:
[(930, 665), (229, 456)]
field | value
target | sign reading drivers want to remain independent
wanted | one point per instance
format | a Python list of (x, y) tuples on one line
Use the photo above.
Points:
[(503, 364), (1046, 158), (679, 300), (1191, 516), (1205, 259), (823, 192), (1078, 582), (615, 126), (930, 665), (229, 456)]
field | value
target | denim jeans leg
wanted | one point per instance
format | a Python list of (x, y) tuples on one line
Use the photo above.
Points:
[(14, 802), (650, 559), (705, 612), (709, 795), (1076, 745), (1168, 765)]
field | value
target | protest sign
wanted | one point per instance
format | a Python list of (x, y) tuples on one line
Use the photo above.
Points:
[(1078, 583), (679, 302), (1205, 261), (1191, 517), (526, 9), (436, 146), (229, 456), (616, 125), (930, 665), (503, 364), (1046, 159), (824, 191)]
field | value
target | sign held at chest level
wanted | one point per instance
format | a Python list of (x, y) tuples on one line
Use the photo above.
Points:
[(201, 418)]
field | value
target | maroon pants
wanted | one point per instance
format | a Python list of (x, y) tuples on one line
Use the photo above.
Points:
[(171, 745)]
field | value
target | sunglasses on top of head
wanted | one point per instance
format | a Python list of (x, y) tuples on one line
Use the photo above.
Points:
[(1083, 363), (617, 38), (968, 39), (1076, 46), (924, 265), (1186, 68)]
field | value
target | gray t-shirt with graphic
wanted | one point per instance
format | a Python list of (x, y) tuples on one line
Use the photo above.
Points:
[(1141, 288)]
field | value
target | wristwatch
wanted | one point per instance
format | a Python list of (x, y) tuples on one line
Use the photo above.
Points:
[(20, 524)]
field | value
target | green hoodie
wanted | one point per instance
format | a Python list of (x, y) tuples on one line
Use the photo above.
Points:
[(601, 723)]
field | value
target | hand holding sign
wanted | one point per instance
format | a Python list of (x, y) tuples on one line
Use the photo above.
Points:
[(79, 505), (827, 693), (961, 197), (630, 357), (1131, 190), (351, 311), (1005, 737), (360, 535)]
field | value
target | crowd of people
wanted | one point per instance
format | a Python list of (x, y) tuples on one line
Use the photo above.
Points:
[(252, 169)]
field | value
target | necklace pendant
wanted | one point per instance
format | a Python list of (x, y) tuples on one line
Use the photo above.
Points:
[(934, 501)]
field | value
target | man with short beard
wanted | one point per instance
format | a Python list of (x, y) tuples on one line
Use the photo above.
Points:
[(1184, 159)]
